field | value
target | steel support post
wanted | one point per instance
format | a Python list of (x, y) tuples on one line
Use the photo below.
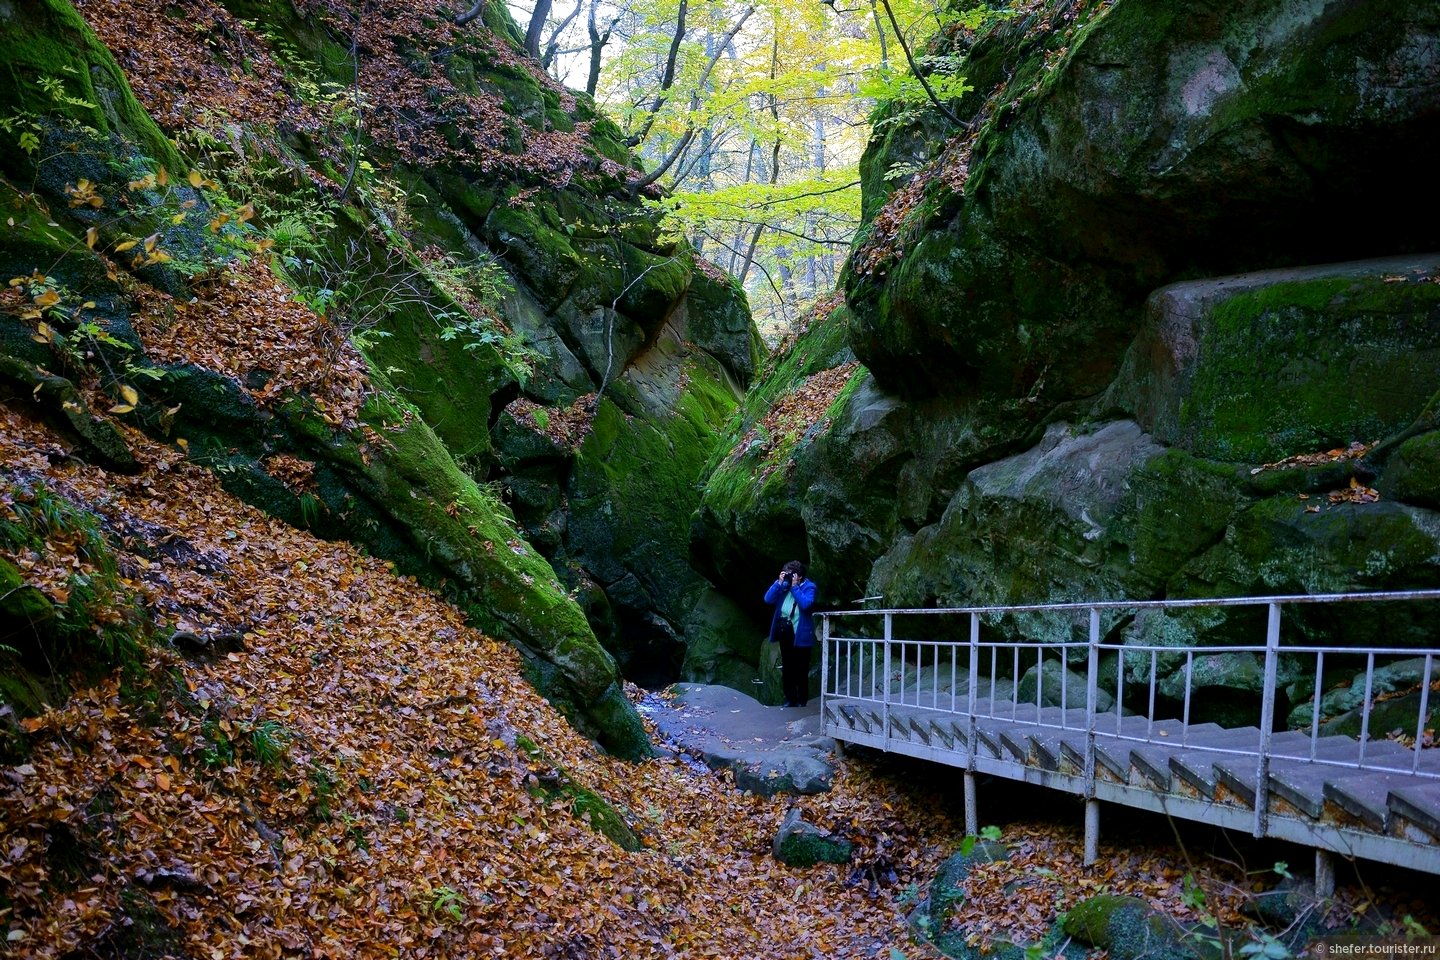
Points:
[(824, 664), (1092, 685), (1324, 874), (885, 707), (1267, 722), (974, 689), (972, 810), (1092, 831)]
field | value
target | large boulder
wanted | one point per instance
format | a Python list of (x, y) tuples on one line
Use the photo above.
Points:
[(1088, 513), (1260, 366), (799, 843), (1123, 147)]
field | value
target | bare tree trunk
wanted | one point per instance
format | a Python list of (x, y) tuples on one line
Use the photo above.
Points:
[(880, 32), (667, 77), (676, 153), (537, 27), (774, 155), (598, 40), (817, 161)]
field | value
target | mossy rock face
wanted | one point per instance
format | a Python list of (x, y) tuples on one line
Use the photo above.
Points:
[(631, 491), (1413, 473), (722, 644), (1129, 928), (48, 40), (1278, 546), (1102, 512), (1269, 135), (1261, 366), (63, 407), (801, 844), (718, 321), (750, 513)]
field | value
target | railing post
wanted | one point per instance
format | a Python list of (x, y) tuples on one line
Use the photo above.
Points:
[(1267, 722), (885, 707), (1424, 714), (1092, 686), (824, 663), (972, 810)]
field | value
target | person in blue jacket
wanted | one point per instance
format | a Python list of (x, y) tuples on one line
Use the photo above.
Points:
[(794, 629)]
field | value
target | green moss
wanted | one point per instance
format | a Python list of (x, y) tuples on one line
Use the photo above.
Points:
[(589, 806), (804, 849), (647, 471), (1413, 472), (48, 41), (543, 255), (99, 627), (1309, 365), (463, 535)]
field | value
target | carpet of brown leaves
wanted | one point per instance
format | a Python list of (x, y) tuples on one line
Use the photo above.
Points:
[(193, 63), (800, 409), (401, 720), (245, 323), (567, 427)]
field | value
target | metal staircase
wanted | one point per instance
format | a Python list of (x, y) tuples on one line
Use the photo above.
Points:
[(957, 702)]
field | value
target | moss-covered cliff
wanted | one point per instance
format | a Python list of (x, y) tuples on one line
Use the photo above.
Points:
[(347, 247)]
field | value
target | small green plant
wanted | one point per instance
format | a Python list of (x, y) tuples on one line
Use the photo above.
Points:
[(309, 509), (1266, 946), (990, 834), (271, 743), (55, 88), (219, 749), (98, 621), (447, 902), (1413, 927), (473, 333), (322, 791)]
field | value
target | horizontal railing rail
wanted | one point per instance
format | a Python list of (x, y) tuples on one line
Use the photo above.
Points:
[(1180, 604)]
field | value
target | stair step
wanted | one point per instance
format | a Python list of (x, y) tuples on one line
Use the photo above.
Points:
[(1153, 764), (1111, 756), (1016, 740), (945, 731), (1047, 748), (1419, 805), (1365, 796)]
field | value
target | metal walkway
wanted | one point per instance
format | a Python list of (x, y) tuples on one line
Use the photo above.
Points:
[(1122, 732)]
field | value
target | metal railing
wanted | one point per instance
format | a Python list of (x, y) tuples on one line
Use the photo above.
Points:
[(949, 676)]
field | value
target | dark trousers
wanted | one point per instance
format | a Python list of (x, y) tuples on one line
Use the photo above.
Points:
[(794, 669)]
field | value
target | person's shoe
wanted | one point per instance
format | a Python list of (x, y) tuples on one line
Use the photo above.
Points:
[(788, 703)]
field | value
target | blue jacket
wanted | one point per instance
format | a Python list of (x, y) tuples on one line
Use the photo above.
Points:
[(804, 599)]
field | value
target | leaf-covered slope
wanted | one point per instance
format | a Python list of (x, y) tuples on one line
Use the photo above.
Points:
[(351, 770)]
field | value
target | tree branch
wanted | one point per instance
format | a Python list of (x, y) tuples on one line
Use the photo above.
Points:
[(910, 59), (471, 14)]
